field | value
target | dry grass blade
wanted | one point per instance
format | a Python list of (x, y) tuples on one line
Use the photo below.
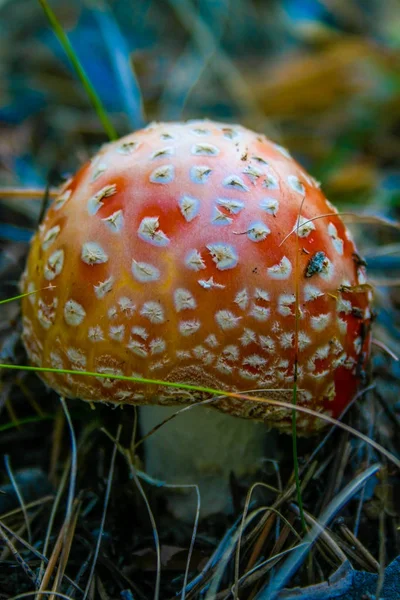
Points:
[(66, 544), (61, 544), (385, 348), (292, 564), (129, 459), (31, 193), (104, 513), (36, 553), (354, 542), (323, 534), (354, 217), (44, 593), (52, 517), (155, 531), (252, 576), (270, 517), (19, 496), (26, 568)]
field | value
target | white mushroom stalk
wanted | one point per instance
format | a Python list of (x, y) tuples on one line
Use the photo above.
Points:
[(201, 447)]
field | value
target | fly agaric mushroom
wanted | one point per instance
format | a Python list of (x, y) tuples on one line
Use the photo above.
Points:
[(178, 253)]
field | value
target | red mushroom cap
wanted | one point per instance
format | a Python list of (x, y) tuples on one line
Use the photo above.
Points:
[(165, 257)]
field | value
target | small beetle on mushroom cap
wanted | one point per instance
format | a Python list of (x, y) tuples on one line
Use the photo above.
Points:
[(167, 257)]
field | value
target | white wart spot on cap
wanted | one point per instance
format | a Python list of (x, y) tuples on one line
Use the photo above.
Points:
[(361, 276), (259, 159), (282, 150), (50, 236), (127, 147), (31, 289), (253, 173), (204, 355), (137, 348), (311, 293), (205, 150), (336, 240), (266, 343), (255, 361), (98, 169), (231, 352), (126, 305), (164, 174), (235, 182), (117, 332), (62, 199), (183, 300), (200, 173), (223, 367), (56, 361), (187, 328), (260, 313), (167, 151), (230, 133), (242, 299), (194, 260), (183, 355), (112, 312), (220, 218), (248, 337), (342, 305), (74, 313), (93, 254), (232, 206), (282, 270), (211, 340), (189, 207), (304, 227), (96, 201), (320, 322), (144, 272), (149, 231), (224, 255), (247, 374), (157, 346), (104, 287), (77, 358), (95, 334), (115, 222), (54, 265), (296, 185), (270, 205), (140, 331), (260, 294), (209, 284), (303, 340), (258, 231), (286, 340), (200, 131), (286, 304), (46, 313), (270, 182), (153, 311), (226, 319)]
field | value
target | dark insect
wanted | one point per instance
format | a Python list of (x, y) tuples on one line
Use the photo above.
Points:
[(316, 264)]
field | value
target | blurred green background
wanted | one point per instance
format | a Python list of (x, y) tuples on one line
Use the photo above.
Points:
[(320, 76)]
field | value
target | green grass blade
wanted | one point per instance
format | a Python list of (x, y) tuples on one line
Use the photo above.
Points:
[(70, 52)]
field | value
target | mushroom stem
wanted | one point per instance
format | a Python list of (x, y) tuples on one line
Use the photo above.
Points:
[(200, 446)]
